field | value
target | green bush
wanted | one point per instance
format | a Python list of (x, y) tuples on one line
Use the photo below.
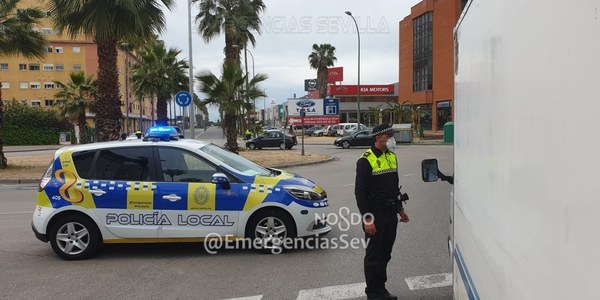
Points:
[(25, 125)]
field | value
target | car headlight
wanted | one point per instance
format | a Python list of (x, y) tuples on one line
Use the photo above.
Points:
[(303, 193)]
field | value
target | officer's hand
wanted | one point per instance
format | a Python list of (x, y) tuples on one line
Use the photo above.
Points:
[(403, 217), (370, 227)]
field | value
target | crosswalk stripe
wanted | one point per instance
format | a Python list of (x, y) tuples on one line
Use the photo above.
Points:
[(258, 297), (336, 292), (429, 281)]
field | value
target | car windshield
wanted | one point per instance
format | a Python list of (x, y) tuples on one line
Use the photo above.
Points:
[(238, 163)]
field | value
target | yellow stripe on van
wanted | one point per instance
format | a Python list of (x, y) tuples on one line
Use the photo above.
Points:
[(141, 195), (43, 200), (257, 195), (72, 186)]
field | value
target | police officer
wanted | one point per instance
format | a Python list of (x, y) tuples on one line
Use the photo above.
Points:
[(379, 200)]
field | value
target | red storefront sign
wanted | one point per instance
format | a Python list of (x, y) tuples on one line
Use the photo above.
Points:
[(335, 74), (314, 120), (351, 90)]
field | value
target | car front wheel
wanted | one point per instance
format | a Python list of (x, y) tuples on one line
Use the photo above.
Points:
[(251, 146), (75, 237), (345, 144), (269, 229), (282, 145)]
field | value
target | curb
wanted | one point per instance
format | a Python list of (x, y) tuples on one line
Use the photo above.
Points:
[(32, 150), (331, 158), (19, 181)]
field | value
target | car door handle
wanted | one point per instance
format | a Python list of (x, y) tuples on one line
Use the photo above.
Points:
[(172, 197), (97, 192)]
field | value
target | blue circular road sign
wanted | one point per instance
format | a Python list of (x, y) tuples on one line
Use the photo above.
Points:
[(183, 98)]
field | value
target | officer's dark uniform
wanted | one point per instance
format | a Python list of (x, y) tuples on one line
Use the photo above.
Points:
[(376, 190)]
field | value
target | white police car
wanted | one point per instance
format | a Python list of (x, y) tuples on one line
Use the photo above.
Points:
[(156, 190)]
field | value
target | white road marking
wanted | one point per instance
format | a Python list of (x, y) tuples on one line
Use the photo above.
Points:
[(429, 281), (16, 212), (346, 291), (350, 184), (258, 297)]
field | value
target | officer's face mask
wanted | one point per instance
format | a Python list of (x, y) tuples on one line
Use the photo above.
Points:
[(391, 144)]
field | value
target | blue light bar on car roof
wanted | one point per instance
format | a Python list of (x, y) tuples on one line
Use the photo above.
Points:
[(162, 133)]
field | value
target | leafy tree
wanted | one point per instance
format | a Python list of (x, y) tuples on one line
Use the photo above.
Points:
[(228, 93), (109, 22), (236, 19), (160, 74), (322, 57), (17, 38), (78, 96)]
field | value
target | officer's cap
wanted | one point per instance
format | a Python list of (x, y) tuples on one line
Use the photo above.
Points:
[(383, 129)]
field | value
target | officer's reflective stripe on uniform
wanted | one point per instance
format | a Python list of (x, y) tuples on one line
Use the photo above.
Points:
[(384, 164)]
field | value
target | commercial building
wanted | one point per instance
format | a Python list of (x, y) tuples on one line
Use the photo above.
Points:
[(32, 81), (426, 72)]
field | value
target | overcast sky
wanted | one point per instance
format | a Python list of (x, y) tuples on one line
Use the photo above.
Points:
[(290, 28)]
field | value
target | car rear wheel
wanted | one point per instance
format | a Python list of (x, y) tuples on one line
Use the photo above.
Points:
[(75, 237), (320, 134), (251, 146), (282, 145), (345, 144), (269, 229)]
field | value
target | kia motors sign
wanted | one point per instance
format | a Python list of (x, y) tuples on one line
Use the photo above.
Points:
[(335, 74), (310, 85), (351, 90)]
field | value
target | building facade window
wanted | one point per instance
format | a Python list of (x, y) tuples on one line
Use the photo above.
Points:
[(444, 113), (22, 67), (36, 103), (46, 31), (5, 85), (59, 67), (48, 49), (3, 66), (423, 52), (34, 85), (48, 102), (48, 85), (24, 102), (34, 67), (24, 85), (48, 67), (76, 67), (58, 49), (76, 49)]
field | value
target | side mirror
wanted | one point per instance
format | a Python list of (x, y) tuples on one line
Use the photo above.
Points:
[(220, 178), (181, 136), (429, 170)]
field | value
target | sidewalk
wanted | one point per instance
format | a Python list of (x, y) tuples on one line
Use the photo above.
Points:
[(9, 149)]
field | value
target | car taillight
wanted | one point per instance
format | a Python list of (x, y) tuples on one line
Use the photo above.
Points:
[(47, 177)]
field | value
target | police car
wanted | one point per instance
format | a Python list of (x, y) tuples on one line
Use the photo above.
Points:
[(161, 189)]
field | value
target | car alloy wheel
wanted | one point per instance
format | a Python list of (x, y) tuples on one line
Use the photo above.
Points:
[(251, 146), (282, 145), (345, 144), (74, 237)]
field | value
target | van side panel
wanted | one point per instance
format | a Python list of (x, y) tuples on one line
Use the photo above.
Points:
[(526, 149)]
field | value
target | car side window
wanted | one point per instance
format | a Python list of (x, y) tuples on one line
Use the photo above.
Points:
[(181, 166), (83, 162), (127, 164)]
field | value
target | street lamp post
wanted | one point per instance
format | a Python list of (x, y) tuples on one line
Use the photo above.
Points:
[(358, 94), (191, 82)]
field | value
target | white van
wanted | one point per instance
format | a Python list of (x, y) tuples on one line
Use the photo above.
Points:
[(345, 128)]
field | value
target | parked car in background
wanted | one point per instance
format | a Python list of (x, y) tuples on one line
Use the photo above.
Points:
[(311, 130), (272, 139), (361, 138), (321, 132), (345, 128), (332, 130)]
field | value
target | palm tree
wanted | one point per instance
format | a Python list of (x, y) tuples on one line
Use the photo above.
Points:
[(234, 18), (159, 74), (77, 95), (228, 93), (322, 57), (17, 38), (109, 22)]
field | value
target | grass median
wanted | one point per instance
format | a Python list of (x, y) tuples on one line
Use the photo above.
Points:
[(33, 166)]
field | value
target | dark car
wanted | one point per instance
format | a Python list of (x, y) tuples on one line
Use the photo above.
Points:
[(272, 139), (361, 138)]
